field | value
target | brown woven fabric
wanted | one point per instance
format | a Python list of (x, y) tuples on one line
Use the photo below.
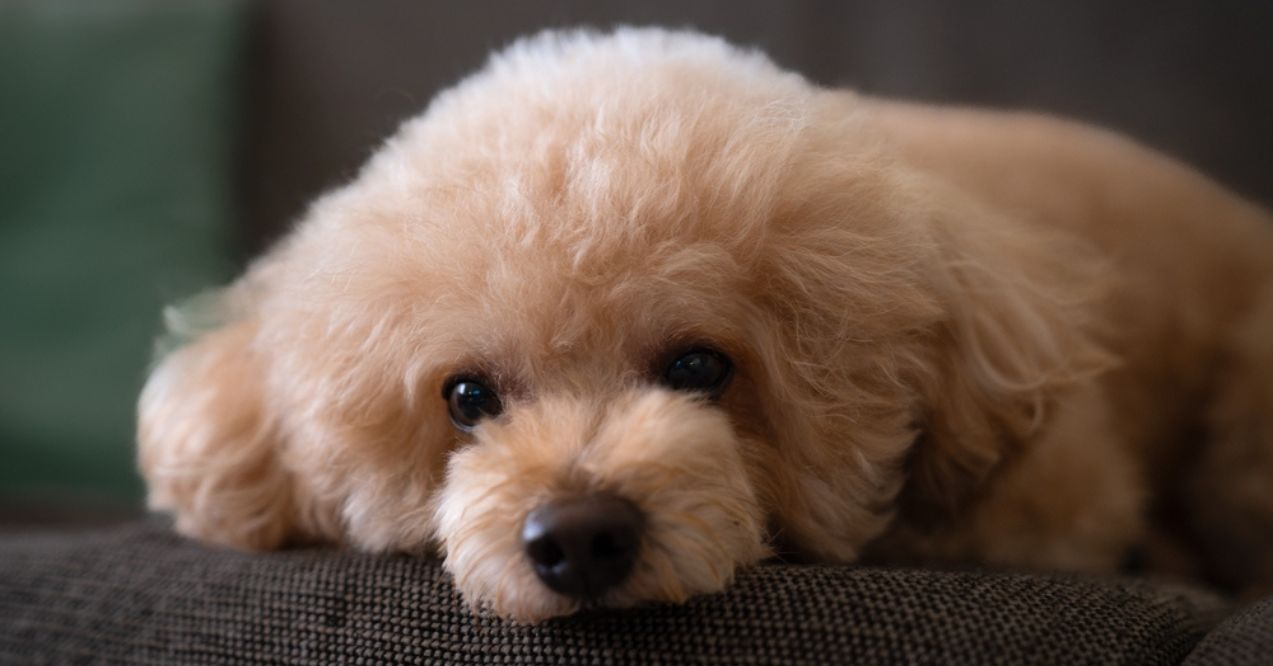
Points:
[(1244, 638), (138, 594)]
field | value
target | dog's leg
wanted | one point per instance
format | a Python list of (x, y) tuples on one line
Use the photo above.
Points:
[(1074, 500), (1228, 492)]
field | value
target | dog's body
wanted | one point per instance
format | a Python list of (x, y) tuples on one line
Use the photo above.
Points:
[(1172, 449), (745, 315)]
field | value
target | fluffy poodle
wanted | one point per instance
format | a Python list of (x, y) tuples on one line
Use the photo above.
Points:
[(622, 314)]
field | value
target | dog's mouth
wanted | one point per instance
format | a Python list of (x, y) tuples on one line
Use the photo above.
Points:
[(600, 558), (654, 504)]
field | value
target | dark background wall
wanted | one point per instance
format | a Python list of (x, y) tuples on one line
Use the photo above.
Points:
[(333, 79)]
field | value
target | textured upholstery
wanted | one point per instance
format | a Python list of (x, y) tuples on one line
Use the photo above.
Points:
[(1244, 638), (138, 594)]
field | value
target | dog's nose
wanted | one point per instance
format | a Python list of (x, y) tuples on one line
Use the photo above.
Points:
[(583, 546)]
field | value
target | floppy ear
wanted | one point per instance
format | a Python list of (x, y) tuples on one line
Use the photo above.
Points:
[(1020, 309), (209, 446)]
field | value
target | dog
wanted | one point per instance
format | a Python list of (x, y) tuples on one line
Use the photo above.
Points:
[(624, 313)]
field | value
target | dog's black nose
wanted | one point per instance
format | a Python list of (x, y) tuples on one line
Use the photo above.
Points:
[(583, 546)]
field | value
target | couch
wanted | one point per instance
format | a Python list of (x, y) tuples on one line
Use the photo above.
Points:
[(139, 594)]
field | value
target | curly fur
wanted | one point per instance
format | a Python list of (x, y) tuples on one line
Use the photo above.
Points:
[(959, 336)]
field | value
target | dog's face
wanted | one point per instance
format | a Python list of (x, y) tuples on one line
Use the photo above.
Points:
[(604, 332)]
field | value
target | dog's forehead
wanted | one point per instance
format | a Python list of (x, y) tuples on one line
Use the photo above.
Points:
[(551, 315), (592, 215), (597, 158), (479, 280)]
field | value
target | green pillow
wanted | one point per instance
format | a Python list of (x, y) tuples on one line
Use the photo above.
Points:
[(117, 137)]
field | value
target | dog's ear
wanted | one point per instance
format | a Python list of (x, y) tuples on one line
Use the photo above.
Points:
[(1020, 305), (209, 447)]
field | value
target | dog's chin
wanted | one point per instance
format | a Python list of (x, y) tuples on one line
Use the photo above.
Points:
[(673, 456)]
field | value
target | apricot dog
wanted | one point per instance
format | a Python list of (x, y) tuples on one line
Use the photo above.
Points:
[(623, 313)]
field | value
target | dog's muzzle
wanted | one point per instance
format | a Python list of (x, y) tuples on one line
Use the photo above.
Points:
[(581, 547)]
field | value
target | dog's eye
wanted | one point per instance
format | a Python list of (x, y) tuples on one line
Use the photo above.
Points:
[(470, 401), (699, 369)]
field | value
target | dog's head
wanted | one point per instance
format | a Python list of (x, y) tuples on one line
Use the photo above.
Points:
[(612, 319)]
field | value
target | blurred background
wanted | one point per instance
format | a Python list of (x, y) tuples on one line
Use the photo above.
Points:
[(149, 149)]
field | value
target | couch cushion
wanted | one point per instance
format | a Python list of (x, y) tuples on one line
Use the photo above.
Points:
[(1244, 638), (137, 593)]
